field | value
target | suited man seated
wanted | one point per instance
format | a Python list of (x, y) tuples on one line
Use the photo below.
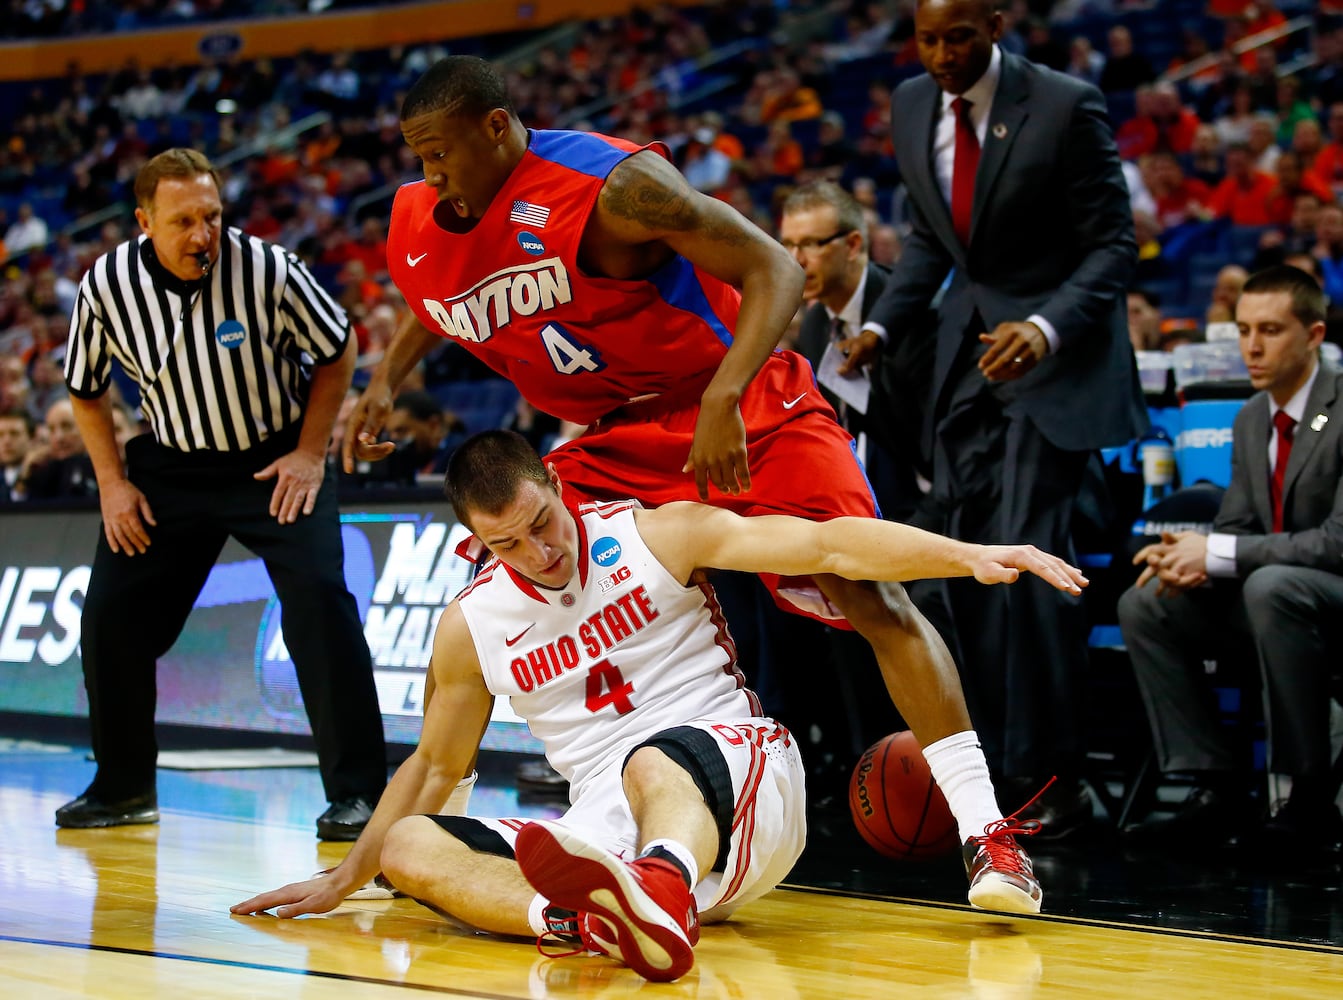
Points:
[(824, 228), (1269, 577)]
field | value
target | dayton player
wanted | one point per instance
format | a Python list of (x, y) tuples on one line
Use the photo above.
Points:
[(586, 270), (596, 623)]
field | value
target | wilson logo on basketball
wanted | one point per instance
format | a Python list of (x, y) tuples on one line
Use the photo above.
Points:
[(864, 797), (895, 803)]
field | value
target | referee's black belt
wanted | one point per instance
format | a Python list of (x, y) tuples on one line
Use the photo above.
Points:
[(144, 452)]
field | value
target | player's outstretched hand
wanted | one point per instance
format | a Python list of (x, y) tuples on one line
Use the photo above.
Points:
[(369, 417), (1004, 563), (316, 895)]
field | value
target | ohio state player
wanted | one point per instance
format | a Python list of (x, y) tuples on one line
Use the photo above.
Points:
[(597, 624)]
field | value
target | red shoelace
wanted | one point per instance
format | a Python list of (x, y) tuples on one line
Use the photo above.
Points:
[(999, 836)]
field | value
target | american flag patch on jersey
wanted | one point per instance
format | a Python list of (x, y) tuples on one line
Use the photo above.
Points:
[(527, 214)]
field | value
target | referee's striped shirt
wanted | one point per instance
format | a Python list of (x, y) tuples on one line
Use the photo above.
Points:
[(222, 363)]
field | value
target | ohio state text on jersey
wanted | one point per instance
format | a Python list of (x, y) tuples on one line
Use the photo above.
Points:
[(621, 653)]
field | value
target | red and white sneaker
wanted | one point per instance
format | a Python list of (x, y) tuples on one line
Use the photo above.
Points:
[(1000, 872), (640, 912)]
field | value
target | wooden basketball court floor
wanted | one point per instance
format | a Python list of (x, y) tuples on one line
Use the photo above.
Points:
[(142, 912)]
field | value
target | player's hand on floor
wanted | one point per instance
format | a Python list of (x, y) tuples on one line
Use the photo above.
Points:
[(316, 895)]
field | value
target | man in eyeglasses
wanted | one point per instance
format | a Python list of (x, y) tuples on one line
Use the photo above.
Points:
[(823, 227)]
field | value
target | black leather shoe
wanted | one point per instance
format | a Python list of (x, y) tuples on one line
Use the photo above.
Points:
[(1206, 818), (344, 820), (537, 777), (89, 811), (1063, 809), (1298, 832)]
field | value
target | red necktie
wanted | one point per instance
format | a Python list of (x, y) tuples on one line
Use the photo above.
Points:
[(963, 170), (1286, 427)]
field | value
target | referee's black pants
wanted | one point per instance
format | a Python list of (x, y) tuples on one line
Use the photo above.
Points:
[(136, 606)]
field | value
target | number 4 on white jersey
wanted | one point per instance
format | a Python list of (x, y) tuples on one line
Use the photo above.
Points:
[(569, 355)]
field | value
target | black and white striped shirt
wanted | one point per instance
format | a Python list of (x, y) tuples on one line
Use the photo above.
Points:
[(222, 363)]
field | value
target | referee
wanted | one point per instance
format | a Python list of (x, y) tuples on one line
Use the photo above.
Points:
[(242, 361)]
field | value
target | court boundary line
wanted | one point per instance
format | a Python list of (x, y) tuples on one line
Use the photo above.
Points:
[(1323, 949), (255, 966)]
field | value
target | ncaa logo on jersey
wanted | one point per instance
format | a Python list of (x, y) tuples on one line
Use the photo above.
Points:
[(605, 551), (230, 334), (531, 243)]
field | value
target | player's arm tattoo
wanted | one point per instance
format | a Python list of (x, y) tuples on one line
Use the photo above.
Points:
[(648, 190)]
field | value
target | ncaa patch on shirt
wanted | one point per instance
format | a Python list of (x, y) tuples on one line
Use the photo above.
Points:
[(230, 334), (531, 243), (605, 551)]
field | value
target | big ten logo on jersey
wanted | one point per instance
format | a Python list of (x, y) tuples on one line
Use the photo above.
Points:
[(40, 613), (399, 603), (609, 582), (492, 303)]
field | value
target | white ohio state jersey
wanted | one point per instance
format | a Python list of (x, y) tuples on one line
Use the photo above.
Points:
[(621, 653)]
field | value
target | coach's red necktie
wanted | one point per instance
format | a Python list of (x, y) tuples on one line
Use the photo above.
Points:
[(1286, 427), (963, 171)]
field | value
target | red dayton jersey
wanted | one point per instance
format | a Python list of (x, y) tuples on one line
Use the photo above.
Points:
[(512, 293)]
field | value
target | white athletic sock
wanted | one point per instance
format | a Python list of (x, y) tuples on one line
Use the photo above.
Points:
[(960, 770), (678, 851), (460, 797), (535, 914)]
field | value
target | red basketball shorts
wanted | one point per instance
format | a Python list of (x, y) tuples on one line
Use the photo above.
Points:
[(802, 462)]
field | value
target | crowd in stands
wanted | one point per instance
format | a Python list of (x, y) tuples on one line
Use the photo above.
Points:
[(1232, 162)]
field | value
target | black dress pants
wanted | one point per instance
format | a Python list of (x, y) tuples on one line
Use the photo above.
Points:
[(136, 607), (1021, 648)]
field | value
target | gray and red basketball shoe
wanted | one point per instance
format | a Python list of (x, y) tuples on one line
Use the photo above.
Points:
[(1000, 872), (640, 912)]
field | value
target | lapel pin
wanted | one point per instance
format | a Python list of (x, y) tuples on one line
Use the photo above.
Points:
[(1000, 131), (1320, 420)]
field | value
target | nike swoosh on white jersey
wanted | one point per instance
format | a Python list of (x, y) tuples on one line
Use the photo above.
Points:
[(788, 404), (412, 261), (517, 638)]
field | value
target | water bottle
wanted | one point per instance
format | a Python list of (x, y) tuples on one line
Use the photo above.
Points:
[(1156, 452)]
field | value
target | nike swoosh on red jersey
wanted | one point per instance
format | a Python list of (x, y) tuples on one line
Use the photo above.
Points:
[(788, 404), (412, 261), (518, 638)]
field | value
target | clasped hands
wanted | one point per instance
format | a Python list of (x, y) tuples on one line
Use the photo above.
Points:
[(1178, 562)]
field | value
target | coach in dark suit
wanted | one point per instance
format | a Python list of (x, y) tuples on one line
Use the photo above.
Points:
[(1275, 567), (1015, 186)]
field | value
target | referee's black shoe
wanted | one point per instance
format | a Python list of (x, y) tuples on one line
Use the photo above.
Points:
[(90, 812), (344, 820)]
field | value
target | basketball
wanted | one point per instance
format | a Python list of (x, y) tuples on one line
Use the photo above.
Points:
[(896, 804)]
